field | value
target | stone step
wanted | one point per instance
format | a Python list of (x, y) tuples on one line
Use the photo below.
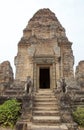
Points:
[(46, 93), (45, 99), (45, 103), (44, 96), (49, 127), (46, 119), (51, 108), (44, 90), (46, 113)]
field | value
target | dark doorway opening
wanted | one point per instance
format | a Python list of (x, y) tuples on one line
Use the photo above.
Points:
[(44, 78)]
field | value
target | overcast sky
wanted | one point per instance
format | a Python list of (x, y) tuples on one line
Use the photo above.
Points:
[(15, 14)]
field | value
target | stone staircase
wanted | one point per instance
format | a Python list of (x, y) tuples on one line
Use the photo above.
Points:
[(46, 114)]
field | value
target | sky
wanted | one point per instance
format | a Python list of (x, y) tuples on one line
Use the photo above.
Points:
[(15, 14)]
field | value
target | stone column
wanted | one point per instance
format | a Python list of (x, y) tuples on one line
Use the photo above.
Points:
[(57, 69), (51, 81), (35, 76), (38, 68), (61, 67), (54, 75)]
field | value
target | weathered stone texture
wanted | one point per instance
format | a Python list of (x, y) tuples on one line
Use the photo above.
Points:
[(80, 74), (6, 76), (6, 72), (44, 37), (45, 22)]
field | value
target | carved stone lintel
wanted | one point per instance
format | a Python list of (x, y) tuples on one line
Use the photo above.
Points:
[(44, 60)]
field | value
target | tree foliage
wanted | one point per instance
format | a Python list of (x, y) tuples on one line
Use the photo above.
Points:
[(9, 112), (78, 116)]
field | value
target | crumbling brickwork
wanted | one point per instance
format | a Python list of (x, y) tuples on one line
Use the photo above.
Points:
[(80, 74), (6, 72)]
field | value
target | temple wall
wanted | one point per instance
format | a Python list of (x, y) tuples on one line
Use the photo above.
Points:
[(67, 60), (24, 66)]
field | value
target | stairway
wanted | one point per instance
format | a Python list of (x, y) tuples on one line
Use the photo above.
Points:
[(46, 114)]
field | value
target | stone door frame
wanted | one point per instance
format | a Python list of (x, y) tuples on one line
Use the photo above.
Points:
[(46, 62), (38, 72)]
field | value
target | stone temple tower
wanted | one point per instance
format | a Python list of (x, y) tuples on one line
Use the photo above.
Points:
[(44, 51)]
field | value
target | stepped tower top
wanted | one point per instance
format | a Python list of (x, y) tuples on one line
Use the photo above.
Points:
[(44, 25)]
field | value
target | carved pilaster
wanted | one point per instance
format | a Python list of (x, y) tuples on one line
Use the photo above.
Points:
[(35, 76), (54, 75)]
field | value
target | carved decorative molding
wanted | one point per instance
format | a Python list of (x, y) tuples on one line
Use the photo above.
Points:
[(44, 60)]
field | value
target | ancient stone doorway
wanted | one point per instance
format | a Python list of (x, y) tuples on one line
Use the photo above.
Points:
[(44, 78)]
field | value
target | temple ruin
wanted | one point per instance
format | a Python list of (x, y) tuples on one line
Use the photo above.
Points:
[(44, 51), (44, 58)]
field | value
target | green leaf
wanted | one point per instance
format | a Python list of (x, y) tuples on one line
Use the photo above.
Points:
[(78, 116), (9, 112)]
